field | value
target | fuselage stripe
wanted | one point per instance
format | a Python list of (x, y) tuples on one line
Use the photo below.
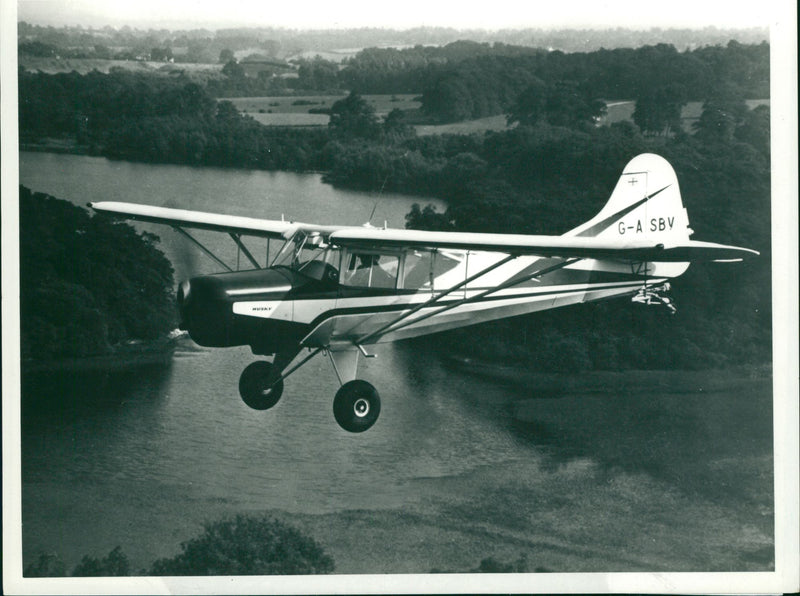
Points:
[(405, 306)]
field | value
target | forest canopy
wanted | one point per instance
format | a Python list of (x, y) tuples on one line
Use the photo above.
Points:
[(87, 285)]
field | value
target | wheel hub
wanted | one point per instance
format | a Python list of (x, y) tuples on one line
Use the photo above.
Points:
[(361, 407)]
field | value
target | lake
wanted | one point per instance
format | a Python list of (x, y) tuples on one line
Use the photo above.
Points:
[(640, 471)]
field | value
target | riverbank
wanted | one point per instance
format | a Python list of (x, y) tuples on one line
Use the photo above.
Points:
[(126, 357), (66, 145)]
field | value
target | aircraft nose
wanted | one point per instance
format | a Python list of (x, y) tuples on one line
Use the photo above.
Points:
[(206, 306), (204, 312)]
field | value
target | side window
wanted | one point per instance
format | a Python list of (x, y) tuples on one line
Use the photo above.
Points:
[(443, 262), (417, 269), (422, 266), (370, 270)]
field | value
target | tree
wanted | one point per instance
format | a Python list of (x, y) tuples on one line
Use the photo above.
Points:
[(571, 104), (247, 545), (427, 218), (755, 129), (161, 54), (354, 117), (317, 74), (86, 283), (226, 56), (658, 109), (227, 112), (233, 70), (720, 117), (115, 564), (47, 565), (395, 127), (530, 105), (448, 99)]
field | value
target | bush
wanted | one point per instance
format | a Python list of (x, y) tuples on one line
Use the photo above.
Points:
[(247, 545), (47, 565), (113, 565)]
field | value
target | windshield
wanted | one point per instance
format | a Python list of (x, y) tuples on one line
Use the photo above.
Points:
[(299, 250)]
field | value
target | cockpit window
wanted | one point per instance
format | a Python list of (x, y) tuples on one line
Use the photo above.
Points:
[(311, 255), (371, 270)]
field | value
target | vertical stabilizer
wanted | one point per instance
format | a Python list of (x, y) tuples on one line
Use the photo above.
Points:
[(645, 205)]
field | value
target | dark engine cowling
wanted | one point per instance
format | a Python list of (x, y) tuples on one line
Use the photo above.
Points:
[(206, 309)]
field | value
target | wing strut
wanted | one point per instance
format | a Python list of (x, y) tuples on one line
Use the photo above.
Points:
[(396, 325), (434, 299), (199, 245), (238, 240)]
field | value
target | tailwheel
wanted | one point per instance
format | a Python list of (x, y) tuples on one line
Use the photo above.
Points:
[(256, 386), (356, 406)]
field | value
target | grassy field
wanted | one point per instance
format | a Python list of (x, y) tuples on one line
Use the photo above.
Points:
[(294, 110), (480, 125), (623, 110)]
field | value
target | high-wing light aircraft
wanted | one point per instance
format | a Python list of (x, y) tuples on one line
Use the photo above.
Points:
[(337, 290)]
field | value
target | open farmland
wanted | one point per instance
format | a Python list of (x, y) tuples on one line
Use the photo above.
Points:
[(294, 110), (481, 125), (619, 111)]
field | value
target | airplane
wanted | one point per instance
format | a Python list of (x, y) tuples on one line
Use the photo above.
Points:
[(338, 290)]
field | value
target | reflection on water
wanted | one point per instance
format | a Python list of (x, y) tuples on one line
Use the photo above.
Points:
[(69, 420)]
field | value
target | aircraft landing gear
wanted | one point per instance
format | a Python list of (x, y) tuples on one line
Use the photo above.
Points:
[(356, 406), (256, 386)]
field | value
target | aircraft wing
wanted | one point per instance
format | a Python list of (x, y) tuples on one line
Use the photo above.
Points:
[(181, 218), (545, 246), (372, 238)]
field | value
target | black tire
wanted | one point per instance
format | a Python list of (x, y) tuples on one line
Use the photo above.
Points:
[(356, 406), (254, 386)]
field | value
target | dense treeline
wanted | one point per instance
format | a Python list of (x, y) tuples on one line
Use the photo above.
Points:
[(205, 46), (157, 118), (87, 285), (240, 545), (468, 80)]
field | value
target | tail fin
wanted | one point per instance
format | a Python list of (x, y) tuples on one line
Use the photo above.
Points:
[(645, 205)]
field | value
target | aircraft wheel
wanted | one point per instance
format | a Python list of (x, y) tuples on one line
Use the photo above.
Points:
[(356, 406), (254, 386)]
